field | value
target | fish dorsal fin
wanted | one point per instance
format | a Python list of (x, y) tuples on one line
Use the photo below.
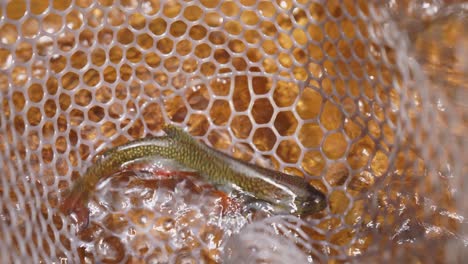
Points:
[(178, 134)]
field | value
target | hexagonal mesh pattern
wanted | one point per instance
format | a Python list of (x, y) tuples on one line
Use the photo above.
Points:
[(322, 90)]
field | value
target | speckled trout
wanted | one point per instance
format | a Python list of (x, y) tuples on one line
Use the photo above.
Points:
[(285, 193)]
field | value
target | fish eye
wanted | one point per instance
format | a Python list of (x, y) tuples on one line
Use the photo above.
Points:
[(312, 205), (317, 200), (307, 205)]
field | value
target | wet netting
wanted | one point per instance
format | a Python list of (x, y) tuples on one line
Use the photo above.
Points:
[(333, 91)]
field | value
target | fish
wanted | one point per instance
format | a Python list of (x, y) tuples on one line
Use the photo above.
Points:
[(285, 193)]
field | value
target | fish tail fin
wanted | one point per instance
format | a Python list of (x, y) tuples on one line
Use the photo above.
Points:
[(76, 201), (75, 198)]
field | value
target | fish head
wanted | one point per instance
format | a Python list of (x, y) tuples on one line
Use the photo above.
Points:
[(312, 201)]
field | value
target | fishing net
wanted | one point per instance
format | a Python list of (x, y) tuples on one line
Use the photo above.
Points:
[(343, 93)]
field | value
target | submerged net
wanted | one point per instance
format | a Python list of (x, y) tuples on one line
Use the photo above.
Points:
[(333, 91)]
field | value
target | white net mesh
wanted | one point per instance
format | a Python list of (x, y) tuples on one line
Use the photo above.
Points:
[(327, 90)]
